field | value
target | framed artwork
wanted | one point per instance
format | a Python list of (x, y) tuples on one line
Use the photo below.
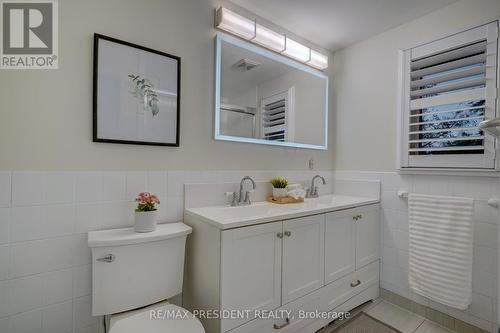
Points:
[(136, 94)]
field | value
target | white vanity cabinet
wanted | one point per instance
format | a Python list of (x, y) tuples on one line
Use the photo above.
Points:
[(367, 226), (339, 245), (316, 262), (303, 256), (251, 269), (267, 265), (351, 241)]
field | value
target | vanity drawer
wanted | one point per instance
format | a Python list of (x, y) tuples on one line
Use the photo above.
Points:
[(294, 323), (324, 299), (341, 290)]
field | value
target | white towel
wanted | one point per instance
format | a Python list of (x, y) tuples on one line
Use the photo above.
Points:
[(441, 237)]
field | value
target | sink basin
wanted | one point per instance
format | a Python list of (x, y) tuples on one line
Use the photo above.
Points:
[(257, 209), (226, 217)]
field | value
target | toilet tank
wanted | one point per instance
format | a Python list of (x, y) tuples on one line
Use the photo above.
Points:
[(131, 270)]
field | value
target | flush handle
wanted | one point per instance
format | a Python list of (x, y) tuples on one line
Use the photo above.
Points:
[(356, 283), (278, 327), (107, 258)]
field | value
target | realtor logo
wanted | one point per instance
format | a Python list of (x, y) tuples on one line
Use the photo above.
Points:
[(29, 35)]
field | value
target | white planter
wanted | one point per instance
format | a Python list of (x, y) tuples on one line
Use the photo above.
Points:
[(280, 192), (145, 221)]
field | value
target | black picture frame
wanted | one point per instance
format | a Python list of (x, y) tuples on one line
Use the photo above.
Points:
[(96, 138)]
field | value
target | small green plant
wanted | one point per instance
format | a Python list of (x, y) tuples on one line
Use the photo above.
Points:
[(279, 182)]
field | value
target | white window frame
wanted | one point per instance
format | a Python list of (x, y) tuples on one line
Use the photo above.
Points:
[(460, 162)]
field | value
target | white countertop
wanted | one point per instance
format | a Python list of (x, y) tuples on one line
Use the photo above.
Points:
[(227, 217)]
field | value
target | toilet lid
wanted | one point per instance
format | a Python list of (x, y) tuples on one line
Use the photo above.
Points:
[(166, 318)]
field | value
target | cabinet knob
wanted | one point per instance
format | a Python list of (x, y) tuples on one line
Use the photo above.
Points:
[(279, 235), (356, 283), (278, 327), (288, 233)]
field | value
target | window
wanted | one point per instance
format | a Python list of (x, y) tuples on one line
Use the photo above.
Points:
[(277, 116), (448, 87)]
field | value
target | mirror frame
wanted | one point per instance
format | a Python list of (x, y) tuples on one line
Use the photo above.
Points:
[(276, 57)]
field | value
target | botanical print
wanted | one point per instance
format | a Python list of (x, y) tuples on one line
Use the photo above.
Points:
[(136, 93), (144, 90)]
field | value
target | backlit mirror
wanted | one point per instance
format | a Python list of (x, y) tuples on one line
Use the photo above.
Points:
[(263, 97)]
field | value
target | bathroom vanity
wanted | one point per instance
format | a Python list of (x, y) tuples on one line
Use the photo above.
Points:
[(321, 255)]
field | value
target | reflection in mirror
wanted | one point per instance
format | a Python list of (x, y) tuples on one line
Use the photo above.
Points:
[(263, 97)]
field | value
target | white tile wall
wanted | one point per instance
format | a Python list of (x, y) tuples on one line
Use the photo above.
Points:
[(394, 237), (45, 264)]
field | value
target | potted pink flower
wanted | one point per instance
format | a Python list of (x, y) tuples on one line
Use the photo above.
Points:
[(146, 213)]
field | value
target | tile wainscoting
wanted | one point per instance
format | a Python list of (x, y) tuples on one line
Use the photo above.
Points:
[(45, 264), (483, 311), (45, 267)]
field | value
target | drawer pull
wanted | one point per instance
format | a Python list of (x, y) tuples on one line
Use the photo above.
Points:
[(355, 284), (278, 327), (279, 235), (288, 233)]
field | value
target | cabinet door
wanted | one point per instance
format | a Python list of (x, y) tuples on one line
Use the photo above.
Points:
[(367, 236), (339, 244), (250, 270), (303, 256)]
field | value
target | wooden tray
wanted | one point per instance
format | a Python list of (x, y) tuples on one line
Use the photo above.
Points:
[(284, 200)]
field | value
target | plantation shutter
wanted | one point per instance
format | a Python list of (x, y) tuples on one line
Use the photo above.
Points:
[(449, 87), (274, 117)]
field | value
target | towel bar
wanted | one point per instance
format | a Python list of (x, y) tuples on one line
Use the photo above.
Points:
[(493, 202), (403, 194)]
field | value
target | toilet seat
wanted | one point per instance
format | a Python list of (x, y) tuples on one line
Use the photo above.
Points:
[(142, 321)]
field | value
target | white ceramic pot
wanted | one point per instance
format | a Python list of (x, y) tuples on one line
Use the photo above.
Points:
[(280, 192), (145, 221)]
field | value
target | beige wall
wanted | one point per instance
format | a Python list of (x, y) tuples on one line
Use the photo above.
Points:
[(45, 115), (365, 84), (309, 104)]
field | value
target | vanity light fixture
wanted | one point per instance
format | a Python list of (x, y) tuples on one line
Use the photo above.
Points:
[(268, 38), (297, 51), (234, 23), (318, 60), (252, 31)]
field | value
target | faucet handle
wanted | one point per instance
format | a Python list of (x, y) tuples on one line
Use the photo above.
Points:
[(233, 197)]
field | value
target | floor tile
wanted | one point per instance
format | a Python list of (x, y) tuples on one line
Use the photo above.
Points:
[(431, 327), (394, 316)]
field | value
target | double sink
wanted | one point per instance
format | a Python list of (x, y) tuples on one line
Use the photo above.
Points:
[(226, 217)]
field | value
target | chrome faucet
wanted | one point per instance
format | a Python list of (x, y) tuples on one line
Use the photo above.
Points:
[(312, 192), (243, 198)]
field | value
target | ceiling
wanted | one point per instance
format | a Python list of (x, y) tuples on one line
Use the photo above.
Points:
[(334, 24), (234, 82)]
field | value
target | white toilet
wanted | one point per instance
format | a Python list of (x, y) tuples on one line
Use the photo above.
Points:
[(134, 274)]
